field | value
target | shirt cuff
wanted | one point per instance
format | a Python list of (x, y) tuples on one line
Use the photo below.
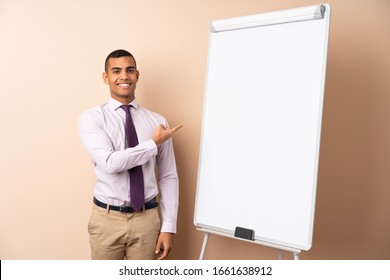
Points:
[(168, 227), (150, 145)]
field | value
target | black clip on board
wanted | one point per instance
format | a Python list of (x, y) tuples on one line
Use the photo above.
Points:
[(244, 233)]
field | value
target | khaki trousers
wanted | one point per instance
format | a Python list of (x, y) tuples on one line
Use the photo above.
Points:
[(116, 236)]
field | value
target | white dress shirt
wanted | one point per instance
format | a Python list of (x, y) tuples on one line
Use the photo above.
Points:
[(102, 132)]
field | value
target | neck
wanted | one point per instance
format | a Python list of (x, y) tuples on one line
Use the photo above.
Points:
[(123, 100)]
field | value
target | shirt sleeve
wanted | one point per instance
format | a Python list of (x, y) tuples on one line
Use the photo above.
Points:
[(101, 150), (169, 186)]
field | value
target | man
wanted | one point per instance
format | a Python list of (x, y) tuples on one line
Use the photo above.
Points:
[(118, 229)]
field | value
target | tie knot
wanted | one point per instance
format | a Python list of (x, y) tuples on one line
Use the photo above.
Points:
[(126, 108)]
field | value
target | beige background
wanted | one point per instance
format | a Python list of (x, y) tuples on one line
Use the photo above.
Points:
[(51, 60)]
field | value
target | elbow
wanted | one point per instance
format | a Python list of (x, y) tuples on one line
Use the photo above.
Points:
[(109, 169), (112, 166), (169, 179)]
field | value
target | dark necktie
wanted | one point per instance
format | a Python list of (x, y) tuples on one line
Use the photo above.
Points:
[(135, 173)]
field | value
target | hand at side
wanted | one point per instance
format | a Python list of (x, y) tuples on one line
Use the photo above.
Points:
[(164, 245)]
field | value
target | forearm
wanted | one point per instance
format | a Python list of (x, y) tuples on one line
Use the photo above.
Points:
[(118, 161), (169, 207)]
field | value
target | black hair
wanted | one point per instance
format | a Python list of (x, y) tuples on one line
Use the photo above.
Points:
[(117, 54)]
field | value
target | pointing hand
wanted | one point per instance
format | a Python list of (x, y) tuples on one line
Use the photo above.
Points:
[(163, 133)]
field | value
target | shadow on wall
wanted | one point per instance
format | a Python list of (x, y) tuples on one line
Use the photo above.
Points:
[(347, 191)]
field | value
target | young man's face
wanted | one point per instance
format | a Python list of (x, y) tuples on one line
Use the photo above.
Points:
[(122, 77)]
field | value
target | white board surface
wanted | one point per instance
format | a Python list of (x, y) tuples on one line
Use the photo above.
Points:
[(261, 127)]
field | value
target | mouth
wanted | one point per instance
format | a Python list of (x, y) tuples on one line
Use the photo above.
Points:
[(123, 85)]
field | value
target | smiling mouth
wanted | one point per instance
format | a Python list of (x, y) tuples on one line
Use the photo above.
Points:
[(123, 85)]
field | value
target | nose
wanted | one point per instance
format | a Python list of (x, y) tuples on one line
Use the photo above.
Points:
[(124, 75)]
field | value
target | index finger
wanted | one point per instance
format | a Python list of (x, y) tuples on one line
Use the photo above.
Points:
[(176, 128)]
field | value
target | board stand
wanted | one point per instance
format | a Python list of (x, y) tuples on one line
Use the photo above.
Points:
[(280, 248), (280, 255), (204, 245)]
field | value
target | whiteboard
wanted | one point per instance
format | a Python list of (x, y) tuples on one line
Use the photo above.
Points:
[(261, 125)]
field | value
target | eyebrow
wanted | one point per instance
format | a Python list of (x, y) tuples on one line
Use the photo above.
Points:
[(118, 68)]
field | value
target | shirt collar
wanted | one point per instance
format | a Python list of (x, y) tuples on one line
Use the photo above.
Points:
[(115, 104)]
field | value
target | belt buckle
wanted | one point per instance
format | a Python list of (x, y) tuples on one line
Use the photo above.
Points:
[(122, 207)]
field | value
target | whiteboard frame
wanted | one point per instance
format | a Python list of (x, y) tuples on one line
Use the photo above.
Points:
[(321, 12)]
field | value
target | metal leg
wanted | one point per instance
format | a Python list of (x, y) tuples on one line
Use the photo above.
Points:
[(296, 256), (206, 238)]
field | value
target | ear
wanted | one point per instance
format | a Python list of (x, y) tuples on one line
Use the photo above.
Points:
[(105, 77)]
